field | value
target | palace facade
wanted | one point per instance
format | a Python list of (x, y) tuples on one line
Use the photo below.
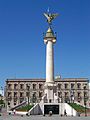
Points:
[(68, 90)]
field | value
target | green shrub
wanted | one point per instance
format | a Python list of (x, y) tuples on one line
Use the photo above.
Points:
[(25, 108), (77, 107)]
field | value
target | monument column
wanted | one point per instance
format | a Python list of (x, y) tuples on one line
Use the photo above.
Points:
[(49, 40)]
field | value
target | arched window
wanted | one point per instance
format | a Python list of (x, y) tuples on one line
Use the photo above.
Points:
[(59, 86), (66, 86), (78, 85)]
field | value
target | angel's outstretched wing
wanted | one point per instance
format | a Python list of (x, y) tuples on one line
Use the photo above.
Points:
[(46, 15), (54, 16), (50, 17)]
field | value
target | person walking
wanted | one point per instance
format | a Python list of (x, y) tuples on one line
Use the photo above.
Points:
[(65, 113)]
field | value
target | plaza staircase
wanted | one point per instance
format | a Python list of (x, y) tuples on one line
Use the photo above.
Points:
[(34, 110), (18, 106), (37, 109), (69, 109)]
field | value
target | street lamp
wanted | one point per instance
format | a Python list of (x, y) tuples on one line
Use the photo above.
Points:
[(85, 101), (28, 95), (72, 96), (61, 105), (72, 100)]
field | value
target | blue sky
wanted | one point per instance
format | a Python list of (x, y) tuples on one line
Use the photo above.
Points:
[(22, 50)]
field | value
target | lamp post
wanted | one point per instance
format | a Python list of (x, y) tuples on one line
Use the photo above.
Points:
[(34, 102), (61, 105), (72, 100), (28, 95), (85, 101)]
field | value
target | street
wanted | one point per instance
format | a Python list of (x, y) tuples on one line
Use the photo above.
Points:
[(40, 117)]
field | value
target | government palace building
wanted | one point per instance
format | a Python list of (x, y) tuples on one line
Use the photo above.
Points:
[(32, 90)]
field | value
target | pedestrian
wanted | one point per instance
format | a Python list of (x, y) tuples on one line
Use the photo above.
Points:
[(14, 111), (50, 113), (0, 108), (65, 113)]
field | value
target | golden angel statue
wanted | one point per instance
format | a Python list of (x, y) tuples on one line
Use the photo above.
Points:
[(50, 17)]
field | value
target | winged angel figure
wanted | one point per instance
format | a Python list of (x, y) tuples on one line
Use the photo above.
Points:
[(50, 17)]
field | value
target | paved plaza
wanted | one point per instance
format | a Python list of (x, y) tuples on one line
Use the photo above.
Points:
[(6, 116), (40, 117)]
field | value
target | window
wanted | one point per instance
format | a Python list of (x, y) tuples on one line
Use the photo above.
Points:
[(50, 100), (21, 94), (34, 97), (21, 86), (27, 94), (21, 100), (59, 94), (34, 86), (79, 94), (66, 94), (78, 85), (40, 86), (34, 94), (15, 94), (66, 86), (27, 87), (84, 87), (9, 94), (15, 100), (9, 86), (85, 94), (72, 86), (40, 94), (59, 86), (66, 97), (15, 86)]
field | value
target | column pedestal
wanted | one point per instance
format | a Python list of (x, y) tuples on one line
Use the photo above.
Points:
[(50, 92)]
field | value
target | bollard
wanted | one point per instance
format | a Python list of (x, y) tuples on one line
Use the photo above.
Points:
[(43, 114), (9, 113), (21, 115), (27, 114)]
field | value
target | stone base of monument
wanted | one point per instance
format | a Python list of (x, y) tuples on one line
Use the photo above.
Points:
[(51, 108), (51, 102), (58, 109), (50, 93)]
